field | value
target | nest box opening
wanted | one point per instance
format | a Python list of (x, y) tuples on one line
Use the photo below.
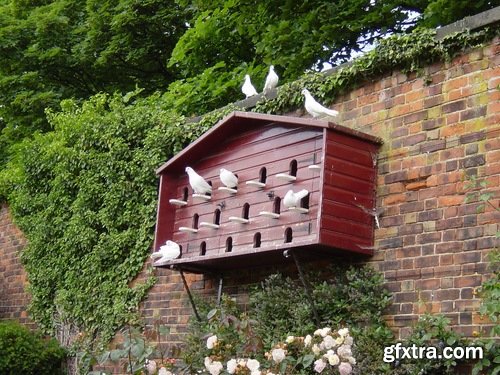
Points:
[(304, 202), (257, 239), (293, 168), (203, 248), (185, 193), (217, 217), (245, 212), (277, 205), (210, 183), (229, 244), (263, 175), (194, 224), (288, 235)]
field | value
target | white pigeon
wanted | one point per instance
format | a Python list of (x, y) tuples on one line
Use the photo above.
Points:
[(271, 80), (228, 178), (292, 199), (171, 250), (316, 109), (198, 183), (248, 88)]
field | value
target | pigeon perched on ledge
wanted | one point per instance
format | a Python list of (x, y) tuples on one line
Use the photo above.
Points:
[(228, 178), (292, 199), (271, 80), (171, 250), (198, 183), (316, 109), (248, 88)]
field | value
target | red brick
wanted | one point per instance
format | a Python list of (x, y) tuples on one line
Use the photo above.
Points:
[(452, 200)]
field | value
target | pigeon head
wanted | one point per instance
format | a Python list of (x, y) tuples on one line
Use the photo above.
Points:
[(271, 68), (188, 169), (247, 77), (222, 170), (305, 92)]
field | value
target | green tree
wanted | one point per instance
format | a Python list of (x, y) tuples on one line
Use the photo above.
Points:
[(52, 50)]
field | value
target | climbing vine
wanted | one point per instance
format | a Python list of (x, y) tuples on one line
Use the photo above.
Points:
[(405, 52), (85, 193)]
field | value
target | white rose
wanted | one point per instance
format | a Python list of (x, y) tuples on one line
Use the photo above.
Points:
[(319, 365), (289, 339), (215, 368), (315, 349), (344, 332), (333, 359), (307, 340), (253, 365), (344, 351), (211, 342), (352, 360), (328, 342), (348, 340), (278, 355), (231, 366), (345, 368), (151, 367), (325, 331)]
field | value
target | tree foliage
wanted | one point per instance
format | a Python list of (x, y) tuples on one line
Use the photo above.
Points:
[(52, 50), (196, 52)]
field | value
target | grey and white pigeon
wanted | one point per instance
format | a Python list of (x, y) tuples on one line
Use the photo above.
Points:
[(248, 88), (292, 199), (171, 250), (271, 80), (228, 178), (316, 109), (198, 183)]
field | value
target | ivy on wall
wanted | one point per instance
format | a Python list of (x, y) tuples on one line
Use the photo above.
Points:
[(85, 194)]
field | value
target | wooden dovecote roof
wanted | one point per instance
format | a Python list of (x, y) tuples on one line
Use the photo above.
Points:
[(238, 122)]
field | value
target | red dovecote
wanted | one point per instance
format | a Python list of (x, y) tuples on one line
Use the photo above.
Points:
[(270, 154)]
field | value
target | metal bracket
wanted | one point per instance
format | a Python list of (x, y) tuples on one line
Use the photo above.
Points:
[(219, 291), (190, 296), (305, 283)]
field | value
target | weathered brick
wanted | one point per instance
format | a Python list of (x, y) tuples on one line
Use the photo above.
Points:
[(472, 161), (468, 281), (487, 242), (411, 207), (454, 106), (396, 177), (449, 247), (473, 113), (467, 233), (427, 261), (410, 229), (472, 137), (469, 257), (447, 294)]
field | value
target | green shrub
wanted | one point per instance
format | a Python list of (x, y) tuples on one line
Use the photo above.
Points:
[(25, 352), (343, 296)]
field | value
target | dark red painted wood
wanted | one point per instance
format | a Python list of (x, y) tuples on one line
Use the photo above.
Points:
[(246, 143)]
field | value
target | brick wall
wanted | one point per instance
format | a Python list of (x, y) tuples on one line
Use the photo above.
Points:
[(438, 127), (13, 295)]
